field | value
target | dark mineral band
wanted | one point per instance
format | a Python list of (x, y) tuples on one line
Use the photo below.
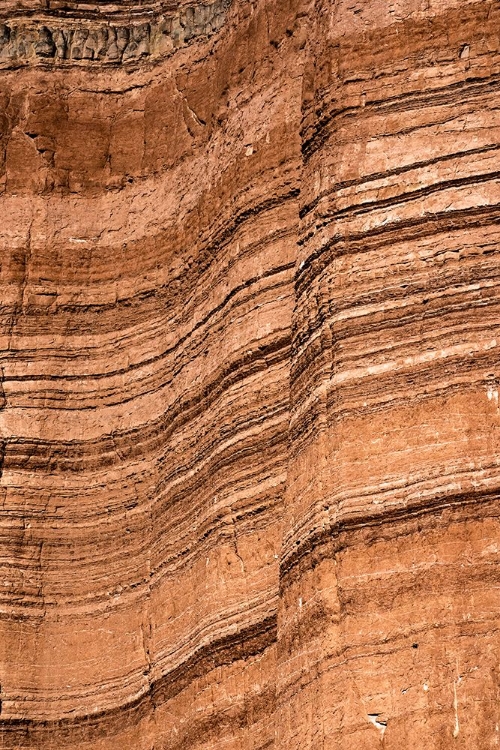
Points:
[(56, 41)]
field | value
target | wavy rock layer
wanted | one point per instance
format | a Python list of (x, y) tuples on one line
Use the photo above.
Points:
[(389, 608), (249, 404)]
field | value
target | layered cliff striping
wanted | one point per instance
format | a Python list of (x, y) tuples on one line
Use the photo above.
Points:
[(389, 560), (249, 415), (105, 33)]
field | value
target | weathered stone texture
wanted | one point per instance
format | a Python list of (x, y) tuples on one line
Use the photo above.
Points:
[(52, 39), (249, 411)]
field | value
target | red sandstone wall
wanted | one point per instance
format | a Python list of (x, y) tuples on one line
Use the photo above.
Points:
[(249, 371), (148, 250), (388, 629)]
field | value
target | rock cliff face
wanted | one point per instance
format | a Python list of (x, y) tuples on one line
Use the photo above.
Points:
[(249, 411)]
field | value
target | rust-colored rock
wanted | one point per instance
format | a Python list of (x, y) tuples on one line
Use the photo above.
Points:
[(249, 411)]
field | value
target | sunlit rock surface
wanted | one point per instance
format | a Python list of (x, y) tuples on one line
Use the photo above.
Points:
[(249, 403)]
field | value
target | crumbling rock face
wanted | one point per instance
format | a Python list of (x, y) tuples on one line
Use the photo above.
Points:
[(249, 416), (120, 38)]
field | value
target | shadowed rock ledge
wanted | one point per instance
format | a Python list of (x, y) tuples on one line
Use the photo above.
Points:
[(118, 38), (249, 375)]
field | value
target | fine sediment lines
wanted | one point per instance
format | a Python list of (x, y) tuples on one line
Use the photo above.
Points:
[(249, 422), (389, 559), (145, 421)]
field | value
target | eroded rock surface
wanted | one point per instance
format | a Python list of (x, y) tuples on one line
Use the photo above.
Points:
[(249, 409), (120, 38)]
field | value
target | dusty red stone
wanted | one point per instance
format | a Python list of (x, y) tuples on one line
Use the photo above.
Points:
[(249, 360)]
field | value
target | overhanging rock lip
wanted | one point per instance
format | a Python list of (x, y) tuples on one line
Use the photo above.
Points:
[(135, 33)]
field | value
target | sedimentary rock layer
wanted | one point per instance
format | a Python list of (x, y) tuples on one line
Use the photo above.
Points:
[(147, 265), (389, 603), (249, 375), (103, 33)]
